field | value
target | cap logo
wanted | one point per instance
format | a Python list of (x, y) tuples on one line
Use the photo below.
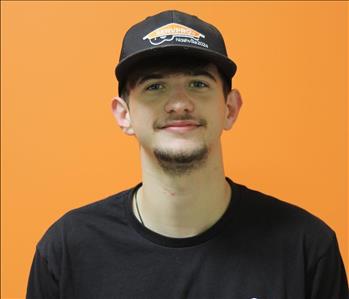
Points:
[(177, 32)]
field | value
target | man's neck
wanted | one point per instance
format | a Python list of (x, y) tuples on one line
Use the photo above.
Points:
[(183, 206)]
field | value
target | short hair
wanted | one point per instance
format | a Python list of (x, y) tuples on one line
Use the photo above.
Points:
[(167, 65)]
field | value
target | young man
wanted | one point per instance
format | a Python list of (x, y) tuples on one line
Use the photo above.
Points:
[(186, 231)]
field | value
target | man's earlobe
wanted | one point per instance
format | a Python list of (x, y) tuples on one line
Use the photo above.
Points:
[(122, 115), (233, 105)]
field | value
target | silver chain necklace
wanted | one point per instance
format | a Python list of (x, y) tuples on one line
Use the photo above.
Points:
[(139, 214)]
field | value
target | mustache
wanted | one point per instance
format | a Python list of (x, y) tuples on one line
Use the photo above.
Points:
[(159, 124)]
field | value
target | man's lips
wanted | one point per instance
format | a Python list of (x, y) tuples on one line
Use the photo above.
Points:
[(181, 126)]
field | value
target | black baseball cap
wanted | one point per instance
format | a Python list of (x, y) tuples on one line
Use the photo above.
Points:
[(169, 33)]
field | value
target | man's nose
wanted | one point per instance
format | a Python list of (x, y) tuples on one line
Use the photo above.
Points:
[(179, 102)]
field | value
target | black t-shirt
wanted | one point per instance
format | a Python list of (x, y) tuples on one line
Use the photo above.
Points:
[(261, 248)]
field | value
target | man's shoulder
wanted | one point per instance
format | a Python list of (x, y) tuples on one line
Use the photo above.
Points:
[(109, 206), (258, 202), (74, 224), (285, 218)]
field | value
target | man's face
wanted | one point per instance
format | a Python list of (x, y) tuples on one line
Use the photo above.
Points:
[(179, 115)]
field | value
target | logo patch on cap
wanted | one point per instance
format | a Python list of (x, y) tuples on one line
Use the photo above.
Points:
[(177, 32)]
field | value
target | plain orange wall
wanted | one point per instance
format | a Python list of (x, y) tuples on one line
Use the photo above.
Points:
[(61, 147)]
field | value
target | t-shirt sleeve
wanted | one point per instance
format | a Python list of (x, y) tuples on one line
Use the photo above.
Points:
[(327, 278), (42, 283)]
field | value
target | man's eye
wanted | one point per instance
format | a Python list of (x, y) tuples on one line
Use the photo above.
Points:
[(198, 84), (155, 86)]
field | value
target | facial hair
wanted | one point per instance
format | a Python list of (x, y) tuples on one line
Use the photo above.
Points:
[(181, 163)]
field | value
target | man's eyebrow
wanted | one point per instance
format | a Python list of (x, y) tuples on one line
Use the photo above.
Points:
[(202, 73), (149, 77)]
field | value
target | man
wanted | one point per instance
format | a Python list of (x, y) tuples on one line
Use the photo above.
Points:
[(186, 231)]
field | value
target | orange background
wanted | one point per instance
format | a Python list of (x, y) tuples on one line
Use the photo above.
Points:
[(61, 147)]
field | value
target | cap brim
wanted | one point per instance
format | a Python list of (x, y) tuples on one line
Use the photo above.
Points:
[(227, 66)]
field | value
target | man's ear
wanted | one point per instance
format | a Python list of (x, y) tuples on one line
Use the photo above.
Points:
[(122, 115), (233, 105)]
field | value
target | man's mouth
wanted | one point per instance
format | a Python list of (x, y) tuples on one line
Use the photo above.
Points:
[(181, 126)]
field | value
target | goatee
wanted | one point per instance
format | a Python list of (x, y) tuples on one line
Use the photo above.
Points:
[(181, 163)]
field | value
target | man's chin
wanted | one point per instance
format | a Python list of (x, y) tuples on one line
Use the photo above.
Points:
[(181, 162)]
